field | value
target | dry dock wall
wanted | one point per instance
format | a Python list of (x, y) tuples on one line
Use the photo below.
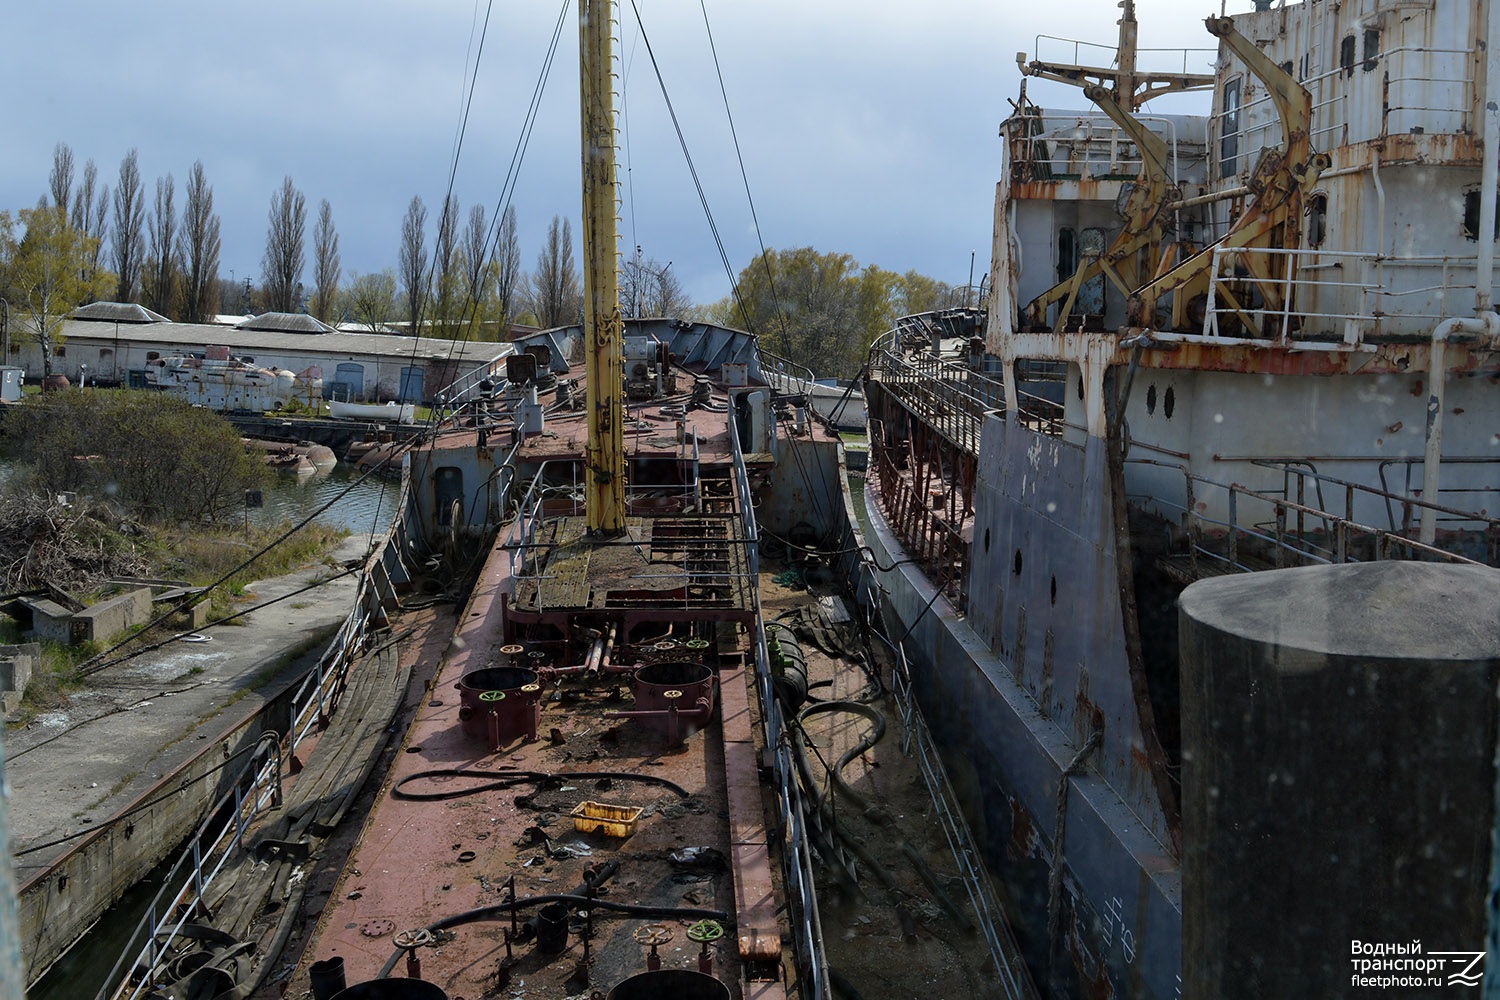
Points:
[(62, 901)]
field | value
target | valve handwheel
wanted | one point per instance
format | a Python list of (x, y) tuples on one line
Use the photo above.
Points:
[(413, 939), (654, 935), (492, 696), (705, 931)]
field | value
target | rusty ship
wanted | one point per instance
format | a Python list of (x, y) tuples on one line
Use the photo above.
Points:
[(1258, 337), (611, 717)]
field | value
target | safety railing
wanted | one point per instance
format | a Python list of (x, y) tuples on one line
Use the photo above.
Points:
[(255, 787), (1057, 49), (1090, 146), (1311, 520), (798, 860), (946, 394), (785, 375), (1331, 295)]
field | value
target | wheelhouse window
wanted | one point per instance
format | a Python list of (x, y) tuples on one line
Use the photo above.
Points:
[(1471, 217), (1229, 144), (1372, 48), (1346, 55)]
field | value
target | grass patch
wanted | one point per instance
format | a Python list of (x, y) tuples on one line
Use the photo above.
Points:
[(57, 678), (201, 557)]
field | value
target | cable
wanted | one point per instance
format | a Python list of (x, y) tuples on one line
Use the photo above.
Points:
[(509, 779)]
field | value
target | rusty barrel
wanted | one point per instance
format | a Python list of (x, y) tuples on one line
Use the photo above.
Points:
[(500, 705)]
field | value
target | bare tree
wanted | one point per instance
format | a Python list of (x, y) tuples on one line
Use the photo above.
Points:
[(200, 249), (286, 253), (91, 218), (130, 222), (60, 180), (556, 298), (414, 260), (159, 276), (649, 288), (476, 266), (507, 266), (371, 299), (445, 262), (326, 262)]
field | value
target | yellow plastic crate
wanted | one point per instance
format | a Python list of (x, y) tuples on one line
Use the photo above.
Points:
[(600, 817)]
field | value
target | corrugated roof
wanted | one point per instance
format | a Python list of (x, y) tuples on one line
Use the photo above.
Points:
[(197, 336), (275, 322), (116, 312)]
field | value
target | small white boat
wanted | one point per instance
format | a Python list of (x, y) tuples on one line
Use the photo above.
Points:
[(390, 413)]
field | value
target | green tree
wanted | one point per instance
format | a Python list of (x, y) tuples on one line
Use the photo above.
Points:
[(821, 309), (43, 271), (157, 456)]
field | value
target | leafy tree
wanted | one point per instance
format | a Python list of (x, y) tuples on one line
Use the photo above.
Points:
[(157, 456), (822, 309), (326, 263), (42, 270), (371, 299), (127, 247), (413, 260), (286, 253), (556, 297), (159, 280), (917, 293), (200, 249)]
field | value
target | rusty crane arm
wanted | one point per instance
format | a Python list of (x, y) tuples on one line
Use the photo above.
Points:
[(1145, 213), (1281, 180)]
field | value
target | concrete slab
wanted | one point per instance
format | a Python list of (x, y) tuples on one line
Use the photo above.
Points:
[(76, 767)]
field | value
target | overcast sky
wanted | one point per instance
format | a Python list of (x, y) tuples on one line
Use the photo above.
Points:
[(866, 126)]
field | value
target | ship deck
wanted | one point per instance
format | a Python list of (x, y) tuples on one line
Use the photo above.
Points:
[(463, 827)]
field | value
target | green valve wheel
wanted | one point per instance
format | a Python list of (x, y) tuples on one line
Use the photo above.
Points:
[(705, 931), (697, 644), (492, 696)]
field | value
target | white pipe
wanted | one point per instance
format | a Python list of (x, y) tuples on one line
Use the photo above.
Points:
[(1484, 280), (1487, 325)]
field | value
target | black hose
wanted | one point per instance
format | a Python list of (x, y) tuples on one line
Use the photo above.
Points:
[(504, 909), (836, 773), (510, 779)]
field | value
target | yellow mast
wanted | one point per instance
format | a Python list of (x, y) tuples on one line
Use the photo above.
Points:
[(603, 327)]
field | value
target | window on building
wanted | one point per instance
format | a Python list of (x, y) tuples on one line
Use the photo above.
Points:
[(62, 352), (1372, 48), (1317, 219), (152, 355), (1346, 55), (1229, 144)]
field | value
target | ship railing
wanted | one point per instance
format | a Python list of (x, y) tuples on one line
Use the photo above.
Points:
[(798, 860), (1076, 52), (944, 393), (1011, 973), (785, 375), (932, 538), (1264, 529), (1340, 296), (1090, 146), (255, 787)]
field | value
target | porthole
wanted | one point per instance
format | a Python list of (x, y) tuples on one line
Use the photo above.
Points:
[(1016, 566), (1151, 398), (1054, 590), (1169, 403), (986, 539)]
